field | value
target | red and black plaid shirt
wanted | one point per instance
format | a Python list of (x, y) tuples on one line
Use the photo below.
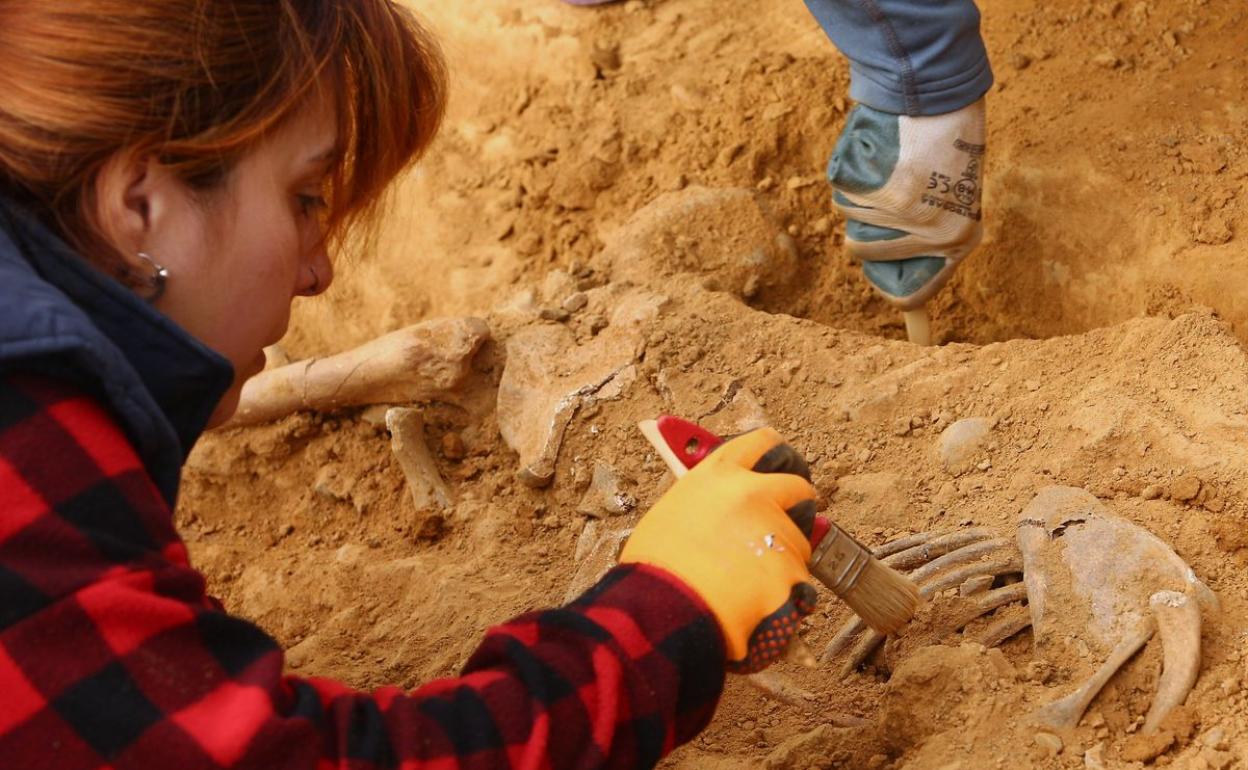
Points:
[(113, 657)]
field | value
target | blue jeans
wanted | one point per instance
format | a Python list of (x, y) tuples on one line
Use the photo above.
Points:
[(909, 57)]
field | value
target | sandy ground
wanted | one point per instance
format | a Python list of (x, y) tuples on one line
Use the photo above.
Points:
[(663, 158)]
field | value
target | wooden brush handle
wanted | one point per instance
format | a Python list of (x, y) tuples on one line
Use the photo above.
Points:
[(838, 559)]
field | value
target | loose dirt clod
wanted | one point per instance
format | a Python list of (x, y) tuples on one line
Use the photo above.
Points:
[(962, 441)]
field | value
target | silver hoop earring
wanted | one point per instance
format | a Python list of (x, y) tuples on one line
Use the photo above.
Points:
[(156, 281)]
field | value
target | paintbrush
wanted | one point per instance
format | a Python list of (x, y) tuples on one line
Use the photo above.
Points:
[(884, 598)]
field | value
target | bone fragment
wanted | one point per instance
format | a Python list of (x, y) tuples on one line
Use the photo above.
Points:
[(598, 561), (1064, 714), (1012, 623), (976, 586), (901, 544), (867, 645), (843, 638), (1113, 565), (549, 376), (991, 600), (1032, 539), (965, 555), (407, 441), (936, 547), (1002, 565), (1010, 563), (275, 356), (425, 362), (781, 688), (1178, 625)]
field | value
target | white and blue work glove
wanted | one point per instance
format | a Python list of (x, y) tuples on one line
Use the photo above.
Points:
[(910, 189)]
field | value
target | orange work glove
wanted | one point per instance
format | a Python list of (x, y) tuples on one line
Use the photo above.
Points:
[(726, 530)]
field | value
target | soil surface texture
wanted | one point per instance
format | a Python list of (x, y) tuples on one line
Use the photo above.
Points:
[(632, 197)]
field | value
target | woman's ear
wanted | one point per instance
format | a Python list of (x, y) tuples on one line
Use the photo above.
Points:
[(123, 201)]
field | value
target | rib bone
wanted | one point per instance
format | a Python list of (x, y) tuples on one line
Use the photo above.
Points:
[(939, 546), (424, 362), (1178, 624), (965, 555), (1000, 630), (1002, 565), (987, 602), (901, 544), (1065, 714)]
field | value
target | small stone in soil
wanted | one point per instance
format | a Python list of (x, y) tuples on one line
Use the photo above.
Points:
[(1185, 488)]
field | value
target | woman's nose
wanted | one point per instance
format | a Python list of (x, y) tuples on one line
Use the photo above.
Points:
[(319, 273)]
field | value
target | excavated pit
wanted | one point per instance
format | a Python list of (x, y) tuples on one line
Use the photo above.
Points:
[(639, 188)]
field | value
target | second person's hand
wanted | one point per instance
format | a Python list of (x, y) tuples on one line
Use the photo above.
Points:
[(910, 189)]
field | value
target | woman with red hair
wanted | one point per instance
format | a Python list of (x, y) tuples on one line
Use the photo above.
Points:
[(173, 174)]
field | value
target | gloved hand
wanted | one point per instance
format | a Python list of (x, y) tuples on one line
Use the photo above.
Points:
[(910, 189), (727, 530)]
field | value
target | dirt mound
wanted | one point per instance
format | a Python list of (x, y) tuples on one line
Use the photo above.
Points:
[(632, 198)]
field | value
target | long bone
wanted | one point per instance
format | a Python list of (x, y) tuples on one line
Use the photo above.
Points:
[(1065, 713), (1178, 625), (425, 362)]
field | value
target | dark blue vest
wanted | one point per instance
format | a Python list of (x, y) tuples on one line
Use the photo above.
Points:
[(63, 318)]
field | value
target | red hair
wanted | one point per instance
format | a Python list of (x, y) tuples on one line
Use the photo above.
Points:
[(198, 83)]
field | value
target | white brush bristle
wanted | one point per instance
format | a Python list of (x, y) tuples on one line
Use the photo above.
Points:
[(884, 598)]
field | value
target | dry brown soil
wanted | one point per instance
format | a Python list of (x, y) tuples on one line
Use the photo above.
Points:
[(1100, 326)]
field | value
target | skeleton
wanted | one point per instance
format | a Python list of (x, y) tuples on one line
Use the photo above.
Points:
[(1080, 567)]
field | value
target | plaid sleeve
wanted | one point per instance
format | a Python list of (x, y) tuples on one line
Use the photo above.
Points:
[(113, 657)]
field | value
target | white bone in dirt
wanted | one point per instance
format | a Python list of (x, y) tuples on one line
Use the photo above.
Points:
[(549, 375), (991, 600), (902, 544), (1065, 714), (407, 441), (1098, 581), (936, 547), (1005, 561), (779, 687), (975, 586), (968, 554), (1099, 568), (1178, 625), (425, 362), (1004, 627)]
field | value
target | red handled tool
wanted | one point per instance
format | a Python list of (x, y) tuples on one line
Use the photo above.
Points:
[(683, 444), (884, 598)]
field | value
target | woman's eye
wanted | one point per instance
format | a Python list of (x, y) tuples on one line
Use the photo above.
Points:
[(312, 204)]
